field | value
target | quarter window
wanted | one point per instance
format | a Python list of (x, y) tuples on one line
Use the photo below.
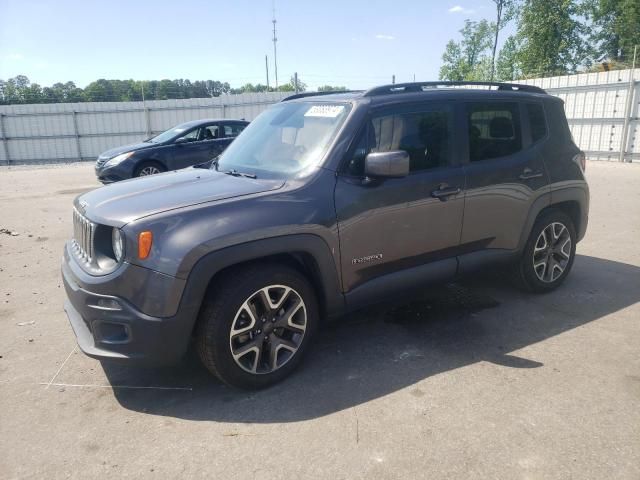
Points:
[(494, 130), (425, 136), (537, 122)]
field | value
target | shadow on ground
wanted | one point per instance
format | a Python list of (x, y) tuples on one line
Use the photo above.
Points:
[(376, 352)]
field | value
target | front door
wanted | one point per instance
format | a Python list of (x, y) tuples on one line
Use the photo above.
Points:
[(185, 149), (392, 225), (198, 146)]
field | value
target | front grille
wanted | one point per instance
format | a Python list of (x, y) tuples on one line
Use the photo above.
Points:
[(83, 233)]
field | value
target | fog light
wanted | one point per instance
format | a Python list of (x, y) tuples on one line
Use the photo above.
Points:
[(106, 304)]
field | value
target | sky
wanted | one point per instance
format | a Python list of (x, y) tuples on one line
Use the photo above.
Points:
[(355, 43)]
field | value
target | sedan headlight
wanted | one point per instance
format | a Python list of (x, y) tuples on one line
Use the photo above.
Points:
[(117, 241), (119, 159)]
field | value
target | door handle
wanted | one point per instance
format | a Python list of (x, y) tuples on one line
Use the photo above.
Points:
[(528, 174), (444, 191)]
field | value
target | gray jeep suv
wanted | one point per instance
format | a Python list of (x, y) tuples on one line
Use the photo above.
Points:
[(324, 204)]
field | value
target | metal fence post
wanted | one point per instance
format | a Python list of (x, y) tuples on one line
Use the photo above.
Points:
[(624, 141), (147, 121), (77, 134), (5, 140)]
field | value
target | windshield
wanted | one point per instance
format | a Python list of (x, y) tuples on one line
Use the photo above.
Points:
[(285, 139), (168, 135)]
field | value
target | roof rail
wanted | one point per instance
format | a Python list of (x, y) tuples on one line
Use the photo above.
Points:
[(423, 86), (314, 94)]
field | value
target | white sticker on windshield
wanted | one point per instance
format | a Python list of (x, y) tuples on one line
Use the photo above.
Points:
[(328, 111)]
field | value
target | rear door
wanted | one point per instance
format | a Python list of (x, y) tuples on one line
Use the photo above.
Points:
[(505, 175), (228, 132), (389, 226)]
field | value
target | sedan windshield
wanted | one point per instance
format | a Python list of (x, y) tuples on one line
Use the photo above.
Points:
[(285, 139), (168, 135)]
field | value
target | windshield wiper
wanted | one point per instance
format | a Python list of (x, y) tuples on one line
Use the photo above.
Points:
[(236, 173)]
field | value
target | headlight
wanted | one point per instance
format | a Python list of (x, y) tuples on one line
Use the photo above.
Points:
[(119, 159), (117, 241)]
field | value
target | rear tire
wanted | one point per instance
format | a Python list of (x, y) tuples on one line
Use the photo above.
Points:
[(256, 325), (548, 254), (149, 168)]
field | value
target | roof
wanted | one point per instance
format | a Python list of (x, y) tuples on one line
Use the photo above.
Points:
[(420, 90), (193, 123)]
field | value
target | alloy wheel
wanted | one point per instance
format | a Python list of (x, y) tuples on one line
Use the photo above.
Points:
[(149, 170), (552, 252), (268, 329)]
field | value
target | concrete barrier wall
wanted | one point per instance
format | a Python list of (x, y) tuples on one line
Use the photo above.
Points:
[(67, 132)]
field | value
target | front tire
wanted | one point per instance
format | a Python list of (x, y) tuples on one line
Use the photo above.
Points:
[(549, 253), (256, 325)]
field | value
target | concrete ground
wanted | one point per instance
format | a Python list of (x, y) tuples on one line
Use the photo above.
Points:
[(475, 380)]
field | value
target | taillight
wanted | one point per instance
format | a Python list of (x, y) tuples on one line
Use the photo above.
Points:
[(581, 160)]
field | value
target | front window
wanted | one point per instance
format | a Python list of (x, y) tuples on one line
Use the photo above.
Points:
[(192, 136), (169, 134), (286, 139), (425, 135)]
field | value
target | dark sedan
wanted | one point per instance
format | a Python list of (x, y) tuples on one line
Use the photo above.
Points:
[(182, 146)]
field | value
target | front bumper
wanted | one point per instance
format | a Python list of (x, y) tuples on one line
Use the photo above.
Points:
[(109, 327), (106, 174)]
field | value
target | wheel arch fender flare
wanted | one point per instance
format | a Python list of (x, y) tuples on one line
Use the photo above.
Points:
[(539, 204), (558, 199), (326, 277)]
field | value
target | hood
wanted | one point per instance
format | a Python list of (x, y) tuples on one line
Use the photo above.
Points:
[(120, 203), (127, 148)]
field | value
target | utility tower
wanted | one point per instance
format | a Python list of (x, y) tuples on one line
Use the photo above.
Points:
[(275, 49)]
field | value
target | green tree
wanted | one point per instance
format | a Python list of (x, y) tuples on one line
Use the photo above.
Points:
[(468, 59), (10, 92), (507, 68), (505, 11), (291, 86), (100, 91), (32, 93), (551, 38), (616, 28)]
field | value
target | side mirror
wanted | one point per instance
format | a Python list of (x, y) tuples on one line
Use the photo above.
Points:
[(393, 164), (181, 141)]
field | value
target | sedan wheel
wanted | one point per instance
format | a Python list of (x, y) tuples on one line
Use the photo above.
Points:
[(148, 170)]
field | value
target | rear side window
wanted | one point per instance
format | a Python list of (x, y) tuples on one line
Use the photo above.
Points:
[(537, 122), (494, 130), (233, 130), (211, 132), (425, 136)]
